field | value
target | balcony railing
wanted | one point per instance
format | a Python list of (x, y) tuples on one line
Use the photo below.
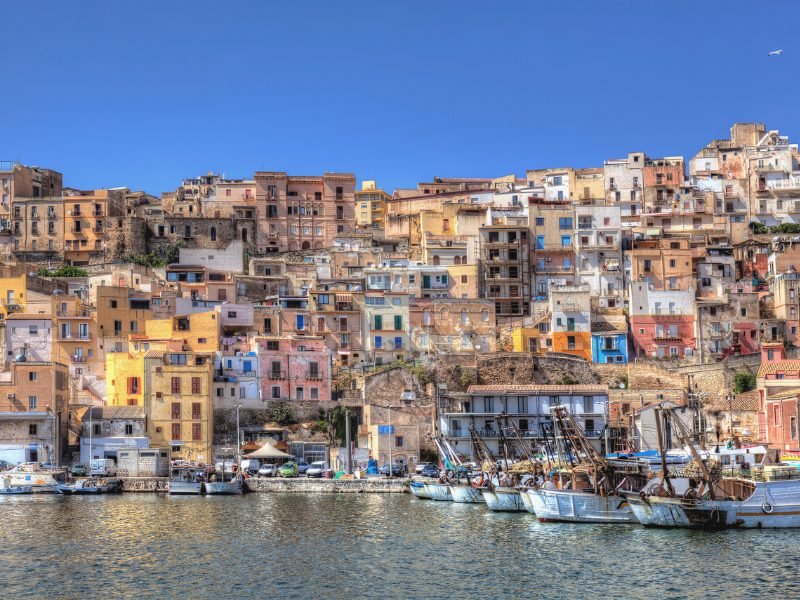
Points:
[(277, 375), (314, 376), (78, 359)]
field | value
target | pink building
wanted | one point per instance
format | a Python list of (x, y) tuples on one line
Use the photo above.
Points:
[(294, 368)]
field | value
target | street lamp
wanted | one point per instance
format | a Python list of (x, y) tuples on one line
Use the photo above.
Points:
[(391, 432)]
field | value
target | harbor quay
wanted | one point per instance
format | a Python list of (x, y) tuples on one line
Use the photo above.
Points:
[(372, 485)]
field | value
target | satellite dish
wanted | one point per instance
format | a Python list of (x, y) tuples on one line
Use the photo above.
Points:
[(621, 385)]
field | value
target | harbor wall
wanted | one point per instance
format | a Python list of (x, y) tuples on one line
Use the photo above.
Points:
[(328, 486)]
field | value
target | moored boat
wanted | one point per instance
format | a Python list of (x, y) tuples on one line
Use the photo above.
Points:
[(39, 479), (186, 480), (234, 486), (504, 499), (580, 506), (420, 489), (9, 489), (464, 493), (439, 491), (526, 498), (91, 486)]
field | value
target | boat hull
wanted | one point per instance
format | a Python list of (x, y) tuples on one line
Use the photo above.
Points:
[(229, 488), (420, 490), (184, 488), (439, 492), (17, 489), (527, 500), (504, 499), (466, 494), (773, 505), (580, 507)]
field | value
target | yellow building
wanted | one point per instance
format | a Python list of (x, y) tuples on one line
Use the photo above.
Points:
[(527, 339), (125, 378), (196, 332), (370, 203), (75, 337), (463, 281), (12, 294), (177, 401)]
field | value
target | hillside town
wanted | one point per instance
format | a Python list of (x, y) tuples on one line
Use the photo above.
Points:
[(346, 323)]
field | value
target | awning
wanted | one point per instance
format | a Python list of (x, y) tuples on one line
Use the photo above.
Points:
[(268, 451), (344, 298)]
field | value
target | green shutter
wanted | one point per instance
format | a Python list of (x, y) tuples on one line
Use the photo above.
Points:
[(398, 322), (378, 322)]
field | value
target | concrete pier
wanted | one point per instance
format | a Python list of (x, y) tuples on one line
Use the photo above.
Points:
[(144, 484), (375, 485)]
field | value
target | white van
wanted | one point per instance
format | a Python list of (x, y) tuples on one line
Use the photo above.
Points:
[(105, 467)]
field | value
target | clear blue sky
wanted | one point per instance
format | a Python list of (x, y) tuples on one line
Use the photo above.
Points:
[(143, 93)]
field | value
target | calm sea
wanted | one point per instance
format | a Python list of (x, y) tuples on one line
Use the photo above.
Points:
[(358, 546)]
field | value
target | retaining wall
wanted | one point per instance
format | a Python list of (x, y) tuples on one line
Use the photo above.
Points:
[(329, 486)]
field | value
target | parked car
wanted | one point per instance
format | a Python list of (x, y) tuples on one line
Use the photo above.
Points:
[(421, 466), (79, 470), (430, 470), (268, 471), (316, 469), (397, 470), (288, 469), (251, 465), (302, 467)]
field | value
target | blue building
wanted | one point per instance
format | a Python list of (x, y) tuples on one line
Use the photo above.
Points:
[(609, 339)]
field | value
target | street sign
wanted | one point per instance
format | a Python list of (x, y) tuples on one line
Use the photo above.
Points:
[(385, 429)]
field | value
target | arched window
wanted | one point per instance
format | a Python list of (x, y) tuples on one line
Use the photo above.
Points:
[(463, 260), (436, 259), (457, 260), (213, 234), (306, 245)]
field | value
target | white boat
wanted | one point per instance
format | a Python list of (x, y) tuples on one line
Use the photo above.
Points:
[(527, 500), (464, 493), (186, 480), (504, 499), (741, 503), (91, 486), (420, 489), (439, 491), (40, 480), (580, 507), (233, 486), (9, 489)]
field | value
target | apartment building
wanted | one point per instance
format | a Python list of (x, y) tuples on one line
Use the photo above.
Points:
[(177, 401), (624, 186), (571, 320), (336, 317), (370, 205), (528, 406), (662, 322), (452, 326), (88, 217), (552, 229), (303, 213), (504, 269), (37, 226), (21, 181), (663, 262), (294, 369), (598, 250)]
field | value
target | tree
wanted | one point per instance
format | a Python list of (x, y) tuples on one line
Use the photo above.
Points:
[(339, 424), (743, 381), (62, 271)]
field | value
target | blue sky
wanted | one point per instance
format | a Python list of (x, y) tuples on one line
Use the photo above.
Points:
[(143, 93)]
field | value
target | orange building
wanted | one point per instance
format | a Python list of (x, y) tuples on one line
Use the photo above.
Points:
[(87, 219)]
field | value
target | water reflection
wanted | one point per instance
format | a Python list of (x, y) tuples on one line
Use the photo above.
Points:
[(336, 546)]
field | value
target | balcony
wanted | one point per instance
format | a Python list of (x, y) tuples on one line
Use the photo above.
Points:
[(76, 338), (314, 376), (73, 314), (665, 336), (77, 358), (550, 268), (277, 375)]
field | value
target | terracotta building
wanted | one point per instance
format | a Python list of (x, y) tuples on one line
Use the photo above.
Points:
[(301, 213), (88, 216), (294, 368)]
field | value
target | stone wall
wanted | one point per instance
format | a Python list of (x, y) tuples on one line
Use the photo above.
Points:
[(375, 485)]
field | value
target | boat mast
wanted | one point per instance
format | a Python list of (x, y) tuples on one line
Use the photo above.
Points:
[(687, 440), (662, 452)]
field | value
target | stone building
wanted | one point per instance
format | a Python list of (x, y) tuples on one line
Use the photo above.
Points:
[(302, 213)]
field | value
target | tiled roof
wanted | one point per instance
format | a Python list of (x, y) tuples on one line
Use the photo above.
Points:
[(115, 412), (746, 401), (537, 389), (772, 367), (154, 354), (28, 316)]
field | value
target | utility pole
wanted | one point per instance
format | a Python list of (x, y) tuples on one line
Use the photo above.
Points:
[(347, 441)]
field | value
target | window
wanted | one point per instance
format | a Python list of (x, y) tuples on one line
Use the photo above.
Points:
[(464, 279), (268, 328), (672, 263), (378, 342), (196, 385), (300, 393), (540, 221), (128, 429), (300, 322), (276, 392), (32, 401), (176, 385), (378, 323), (566, 240), (196, 410), (398, 323), (177, 359), (314, 393), (32, 429), (197, 431), (175, 410), (97, 429), (565, 223), (32, 376), (398, 441), (647, 264), (133, 385)]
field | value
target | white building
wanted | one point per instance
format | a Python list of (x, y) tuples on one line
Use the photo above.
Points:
[(598, 248)]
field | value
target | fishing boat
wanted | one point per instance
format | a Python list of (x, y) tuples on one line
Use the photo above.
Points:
[(420, 489), (439, 491), (91, 486), (186, 480), (39, 479), (225, 480), (464, 492), (701, 496), (504, 499), (526, 498), (590, 489), (9, 489)]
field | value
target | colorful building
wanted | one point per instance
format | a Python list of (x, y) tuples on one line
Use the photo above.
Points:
[(294, 368), (570, 320)]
